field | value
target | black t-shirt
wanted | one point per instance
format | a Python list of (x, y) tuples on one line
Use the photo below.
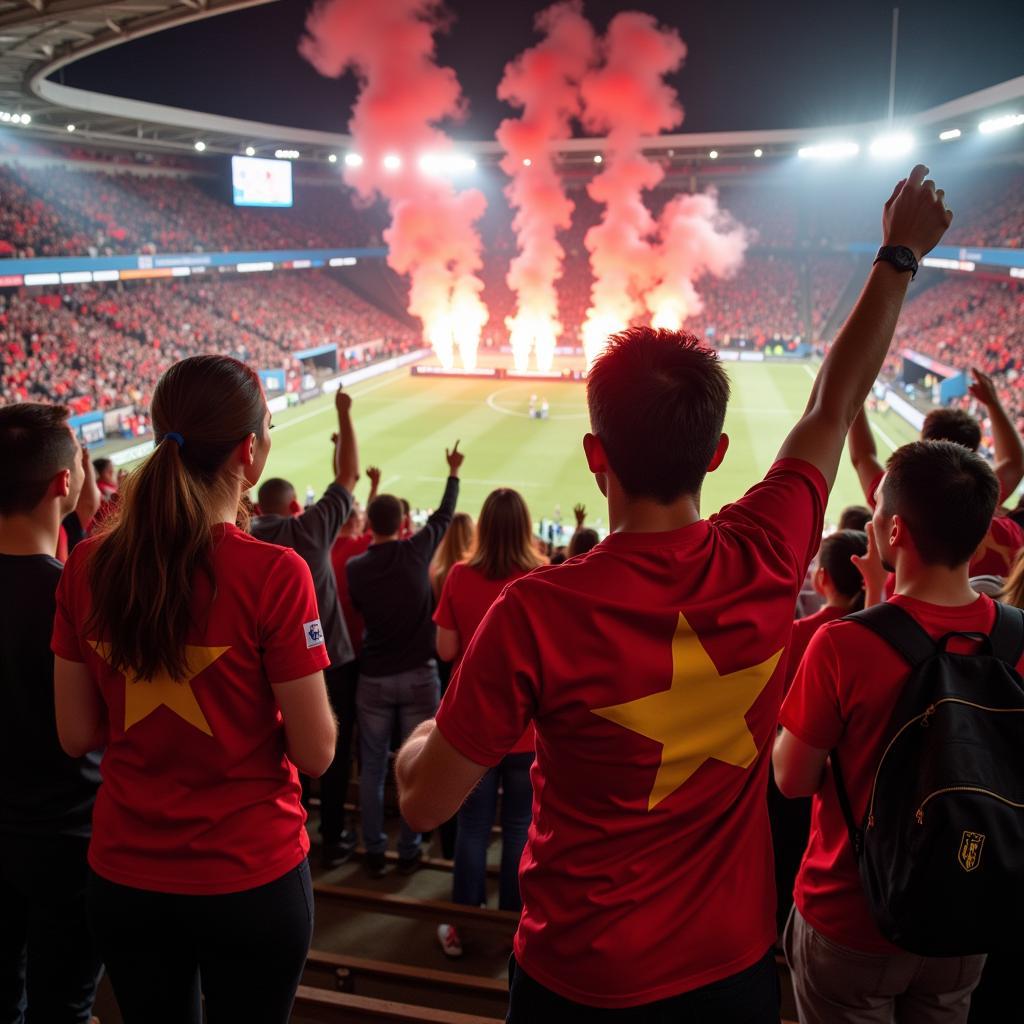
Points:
[(390, 587), (42, 790)]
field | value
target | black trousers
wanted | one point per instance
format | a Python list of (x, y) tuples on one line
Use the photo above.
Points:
[(244, 951), (750, 997), (48, 962), (341, 690)]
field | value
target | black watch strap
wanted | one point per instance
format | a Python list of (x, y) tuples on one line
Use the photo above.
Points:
[(899, 256)]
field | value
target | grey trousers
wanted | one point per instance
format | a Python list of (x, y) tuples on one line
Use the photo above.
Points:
[(836, 985)]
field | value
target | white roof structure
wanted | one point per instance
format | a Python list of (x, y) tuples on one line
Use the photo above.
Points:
[(39, 37)]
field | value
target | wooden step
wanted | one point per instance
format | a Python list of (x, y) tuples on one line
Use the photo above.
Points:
[(341, 1007), (503, 922), (382, 970)]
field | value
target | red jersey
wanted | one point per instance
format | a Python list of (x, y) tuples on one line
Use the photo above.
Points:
[(466, 597), (651, 669), (345, 548), (198, 795), (803, 630), (996, 554), (843, 696)]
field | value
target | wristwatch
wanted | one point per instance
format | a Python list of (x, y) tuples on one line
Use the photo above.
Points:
[(900, 257)]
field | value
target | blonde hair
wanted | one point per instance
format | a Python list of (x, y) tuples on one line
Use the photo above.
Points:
[(504, 542), (1013, 589), (456, 545)]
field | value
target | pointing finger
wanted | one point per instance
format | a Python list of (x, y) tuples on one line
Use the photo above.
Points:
[(917, 175)]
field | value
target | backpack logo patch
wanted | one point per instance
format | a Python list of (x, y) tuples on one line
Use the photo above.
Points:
[(969, 855)]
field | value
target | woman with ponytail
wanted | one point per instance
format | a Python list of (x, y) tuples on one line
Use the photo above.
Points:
[(193, 653)]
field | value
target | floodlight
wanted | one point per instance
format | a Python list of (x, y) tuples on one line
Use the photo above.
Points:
[(333, 158), (713, 154), (527, 162), (828, 151), (896, 144), (26, 118), (287, 154), (1000, 124), (250, 151), (392, 162), (759, 153), (598, 159), (950, 133), (4, 116), (353, 160), (200, 145), (71, 128), (16, 119)]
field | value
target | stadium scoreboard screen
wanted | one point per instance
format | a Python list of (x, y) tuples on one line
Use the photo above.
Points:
[(259, 182)]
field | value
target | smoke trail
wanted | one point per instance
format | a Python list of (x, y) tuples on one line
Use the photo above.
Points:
[(389, 44), (627, 99), (697, 237), (544, 81)]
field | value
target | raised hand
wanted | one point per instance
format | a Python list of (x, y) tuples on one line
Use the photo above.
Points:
[(373, 475), (342, 402), (580, 512), (872, 570), (916, 215), (455, 459), (983, 388)]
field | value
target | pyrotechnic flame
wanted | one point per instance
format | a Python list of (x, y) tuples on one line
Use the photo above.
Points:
[(544, 82), (403, 94)]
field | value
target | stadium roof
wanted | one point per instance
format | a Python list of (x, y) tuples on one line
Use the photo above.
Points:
[(40, 37)]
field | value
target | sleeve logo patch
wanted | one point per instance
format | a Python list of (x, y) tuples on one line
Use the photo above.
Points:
[(313, 633)]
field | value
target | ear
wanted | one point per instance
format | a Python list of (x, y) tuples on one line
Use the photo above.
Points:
[(61, 486), (898, 534), (597, 460), (720, 449)]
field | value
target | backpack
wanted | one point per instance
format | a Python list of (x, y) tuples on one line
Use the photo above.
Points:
[(941, 847)]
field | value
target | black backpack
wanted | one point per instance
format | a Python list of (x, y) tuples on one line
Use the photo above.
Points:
[(941, 846)]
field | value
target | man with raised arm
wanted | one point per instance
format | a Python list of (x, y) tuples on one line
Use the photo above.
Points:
[(311, 534), (653, 671), (998, 550), (389, 586)]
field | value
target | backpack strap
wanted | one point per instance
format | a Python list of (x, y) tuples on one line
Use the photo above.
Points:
[(898, 629), (1007, 636), (855, 834)]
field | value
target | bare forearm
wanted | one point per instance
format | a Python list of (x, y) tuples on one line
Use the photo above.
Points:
[(346, 453), (405, 762), (1008, 448), (856, 356)]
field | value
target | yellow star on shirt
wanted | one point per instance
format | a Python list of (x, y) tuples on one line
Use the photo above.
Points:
[(143, 696), (700, 716)]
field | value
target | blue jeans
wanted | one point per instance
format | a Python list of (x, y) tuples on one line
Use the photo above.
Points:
[(414, 697), (475, 820)]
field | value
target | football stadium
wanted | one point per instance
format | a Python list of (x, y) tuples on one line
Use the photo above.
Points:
[(511, 513)]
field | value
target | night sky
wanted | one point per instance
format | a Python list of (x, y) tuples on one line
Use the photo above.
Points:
[(767, 64)]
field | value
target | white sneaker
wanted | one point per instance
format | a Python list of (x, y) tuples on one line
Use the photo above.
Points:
[(451, 944)]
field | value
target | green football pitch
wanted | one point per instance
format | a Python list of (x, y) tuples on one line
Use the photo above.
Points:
[(404, 423)]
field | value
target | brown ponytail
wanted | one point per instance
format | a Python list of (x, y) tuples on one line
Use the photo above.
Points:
[(142, 571)]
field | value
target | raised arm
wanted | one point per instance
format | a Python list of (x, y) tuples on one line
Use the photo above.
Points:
[(864, 454), (346, 453), (373, 472), (430, 536), (89, 498), (915, 217), (1009, 450)]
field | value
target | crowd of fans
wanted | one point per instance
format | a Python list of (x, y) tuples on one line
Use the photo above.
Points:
[(629, 700), (103, 347)]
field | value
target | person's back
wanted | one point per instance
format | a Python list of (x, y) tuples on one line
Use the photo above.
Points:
[(842, 699), (652, 668), (194, 652), (47, 959)]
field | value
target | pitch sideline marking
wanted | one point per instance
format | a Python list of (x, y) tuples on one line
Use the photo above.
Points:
[(330, 407)]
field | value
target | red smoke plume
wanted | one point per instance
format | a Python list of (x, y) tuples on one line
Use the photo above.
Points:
[(544, 81), (389, 44), (627, 99), (697, 238)]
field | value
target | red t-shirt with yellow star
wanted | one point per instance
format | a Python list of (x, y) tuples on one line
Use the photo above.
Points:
[(198, 794), (652, 668)]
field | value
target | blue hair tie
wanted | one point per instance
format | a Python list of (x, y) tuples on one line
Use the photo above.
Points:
[(174, 436)]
